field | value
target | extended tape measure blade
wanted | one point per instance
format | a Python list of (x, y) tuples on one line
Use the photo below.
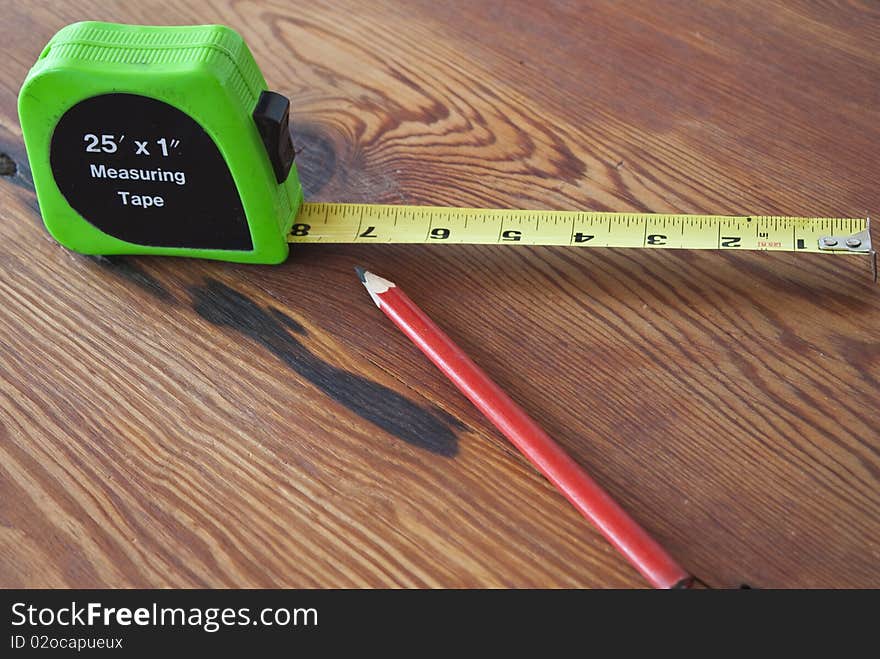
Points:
[(377, 223)]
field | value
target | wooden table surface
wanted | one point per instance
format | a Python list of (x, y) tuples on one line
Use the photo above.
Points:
[(171, 422)]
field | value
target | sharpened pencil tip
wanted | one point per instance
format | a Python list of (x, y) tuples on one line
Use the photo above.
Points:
[(374, 284)]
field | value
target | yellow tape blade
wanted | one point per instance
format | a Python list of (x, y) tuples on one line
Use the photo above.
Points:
[(376, 223)]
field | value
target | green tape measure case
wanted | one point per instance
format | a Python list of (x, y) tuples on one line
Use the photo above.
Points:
[(159, 140)]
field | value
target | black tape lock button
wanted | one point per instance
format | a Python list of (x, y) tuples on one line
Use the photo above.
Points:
[(272, 116)]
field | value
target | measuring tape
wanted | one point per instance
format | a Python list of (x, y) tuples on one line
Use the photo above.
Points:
[(373, 223), (166, 140)]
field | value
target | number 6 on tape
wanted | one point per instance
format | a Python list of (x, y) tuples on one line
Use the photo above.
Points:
[(159, 140)]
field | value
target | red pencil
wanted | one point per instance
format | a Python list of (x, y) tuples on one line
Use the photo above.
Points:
[(630, 539)]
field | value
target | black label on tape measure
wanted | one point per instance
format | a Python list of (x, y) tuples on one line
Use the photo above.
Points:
[(147, 173)]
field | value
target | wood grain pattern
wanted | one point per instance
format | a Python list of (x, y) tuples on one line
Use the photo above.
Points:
[(183, 423)]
